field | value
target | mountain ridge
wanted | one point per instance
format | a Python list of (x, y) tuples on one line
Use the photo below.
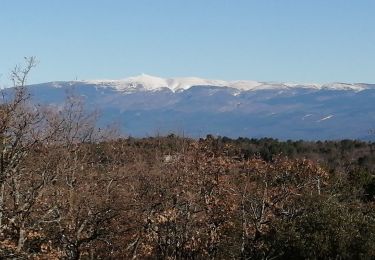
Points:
[(153, 83), (146, 105)]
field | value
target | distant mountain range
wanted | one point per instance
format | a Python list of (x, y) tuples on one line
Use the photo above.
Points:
[(147, 105)]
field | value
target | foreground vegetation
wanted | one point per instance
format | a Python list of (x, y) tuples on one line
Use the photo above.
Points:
[(72, 191)]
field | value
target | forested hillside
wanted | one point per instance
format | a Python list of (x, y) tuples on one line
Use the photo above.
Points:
[(171, 197)]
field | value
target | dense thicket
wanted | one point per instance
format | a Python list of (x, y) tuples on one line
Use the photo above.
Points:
[(171, 197), (71, 191)]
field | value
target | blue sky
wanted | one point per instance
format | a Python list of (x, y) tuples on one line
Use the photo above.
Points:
[(265, 40)]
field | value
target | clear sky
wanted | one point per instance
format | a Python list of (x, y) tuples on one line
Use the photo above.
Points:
[(265, 40)]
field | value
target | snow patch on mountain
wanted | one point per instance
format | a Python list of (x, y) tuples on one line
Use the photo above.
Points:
[(344, 86), (325, 118), (146, 82), (306, 116)]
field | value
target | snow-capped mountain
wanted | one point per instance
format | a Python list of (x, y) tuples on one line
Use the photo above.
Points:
[(151, 83), (146, 105)]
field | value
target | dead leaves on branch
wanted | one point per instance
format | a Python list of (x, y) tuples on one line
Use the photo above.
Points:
[(199, 199)]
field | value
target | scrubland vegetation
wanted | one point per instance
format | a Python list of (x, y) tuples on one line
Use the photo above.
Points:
[(72, 191)]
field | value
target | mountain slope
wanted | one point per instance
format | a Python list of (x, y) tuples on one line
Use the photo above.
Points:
[(146, 105)]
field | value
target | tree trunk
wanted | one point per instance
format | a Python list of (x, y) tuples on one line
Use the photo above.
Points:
[(21, 238)]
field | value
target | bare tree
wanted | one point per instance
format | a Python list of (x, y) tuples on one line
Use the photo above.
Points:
[(49, 178)]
